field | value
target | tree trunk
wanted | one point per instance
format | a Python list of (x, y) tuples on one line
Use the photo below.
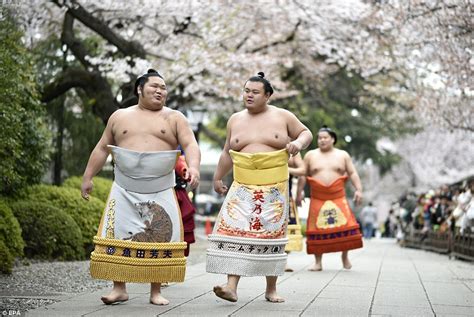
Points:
[(58, 154)]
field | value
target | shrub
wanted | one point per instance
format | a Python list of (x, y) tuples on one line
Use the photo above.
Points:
[(11, 242), (24, 144), (10, 231), (6, 259), (100, 190), (48, 232), (86, 214)]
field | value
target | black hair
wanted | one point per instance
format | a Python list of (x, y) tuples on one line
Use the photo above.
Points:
[(267, 86), (331, 132), (142, 80)]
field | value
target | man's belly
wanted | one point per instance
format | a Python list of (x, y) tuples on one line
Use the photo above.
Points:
[(326, 178), (259, 147)]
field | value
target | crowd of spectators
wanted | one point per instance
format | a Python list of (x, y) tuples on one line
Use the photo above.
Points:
[(448, 208)]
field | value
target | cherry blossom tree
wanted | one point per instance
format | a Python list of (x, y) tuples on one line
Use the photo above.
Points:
[(415, 56), (428, 45)]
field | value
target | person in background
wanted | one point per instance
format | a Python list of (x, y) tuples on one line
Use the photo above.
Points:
[(369, 220), (331, 225)]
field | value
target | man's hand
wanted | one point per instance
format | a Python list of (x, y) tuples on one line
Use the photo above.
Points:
[(294, 147), (299, 198), (219, 187), (192, 176), (86, 188), (357, 197)]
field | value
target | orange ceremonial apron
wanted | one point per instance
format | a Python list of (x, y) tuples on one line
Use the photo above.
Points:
[(331, 225)]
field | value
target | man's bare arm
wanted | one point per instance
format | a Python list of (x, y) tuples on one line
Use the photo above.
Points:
[(186, 139), (302, 180), (298, 132), (296, 165), (225, 162), (354, 177), (97, 158)]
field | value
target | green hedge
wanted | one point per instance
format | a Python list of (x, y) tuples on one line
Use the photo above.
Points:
[(100, 190), (48, 232), (11, 242), (6, 259), (86, 214)]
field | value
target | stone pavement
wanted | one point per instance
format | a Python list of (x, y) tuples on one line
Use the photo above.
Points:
[(386, 280)]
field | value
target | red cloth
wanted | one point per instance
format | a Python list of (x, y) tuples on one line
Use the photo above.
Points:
[(181, 167), (187, 214), (331, 225)]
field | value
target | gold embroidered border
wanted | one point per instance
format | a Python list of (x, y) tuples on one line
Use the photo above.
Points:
[(140, 245), (132, 252)]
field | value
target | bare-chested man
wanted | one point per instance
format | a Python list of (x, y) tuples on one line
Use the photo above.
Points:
[(331, 225), (249, 235), (141, 221)]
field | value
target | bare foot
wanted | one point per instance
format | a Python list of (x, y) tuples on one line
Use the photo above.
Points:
[(272, 297), (225, 293), (158, 299), (346, 263), (316, 267), (115, 297)]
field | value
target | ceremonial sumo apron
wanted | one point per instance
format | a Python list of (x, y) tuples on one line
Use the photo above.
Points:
[(249, 235), (140, 236), (331, 225)]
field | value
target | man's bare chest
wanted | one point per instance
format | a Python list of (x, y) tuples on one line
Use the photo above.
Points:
[(149, 127), (246, 135), (327, 164)]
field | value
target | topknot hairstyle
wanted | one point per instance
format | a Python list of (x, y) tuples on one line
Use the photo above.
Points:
[(142, 80), (267, 86), (333, 134)]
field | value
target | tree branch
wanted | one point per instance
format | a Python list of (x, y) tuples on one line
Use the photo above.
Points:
[(96, 87), (130, 48), (76, 46), (70, 78), (289, 38)]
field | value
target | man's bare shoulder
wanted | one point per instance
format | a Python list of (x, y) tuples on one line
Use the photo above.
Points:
[(281, 111), (237, 116), (173, 113), (342, 153), (311, 153), (119, 113)]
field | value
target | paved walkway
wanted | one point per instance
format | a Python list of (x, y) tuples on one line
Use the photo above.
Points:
[(385, 280)]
